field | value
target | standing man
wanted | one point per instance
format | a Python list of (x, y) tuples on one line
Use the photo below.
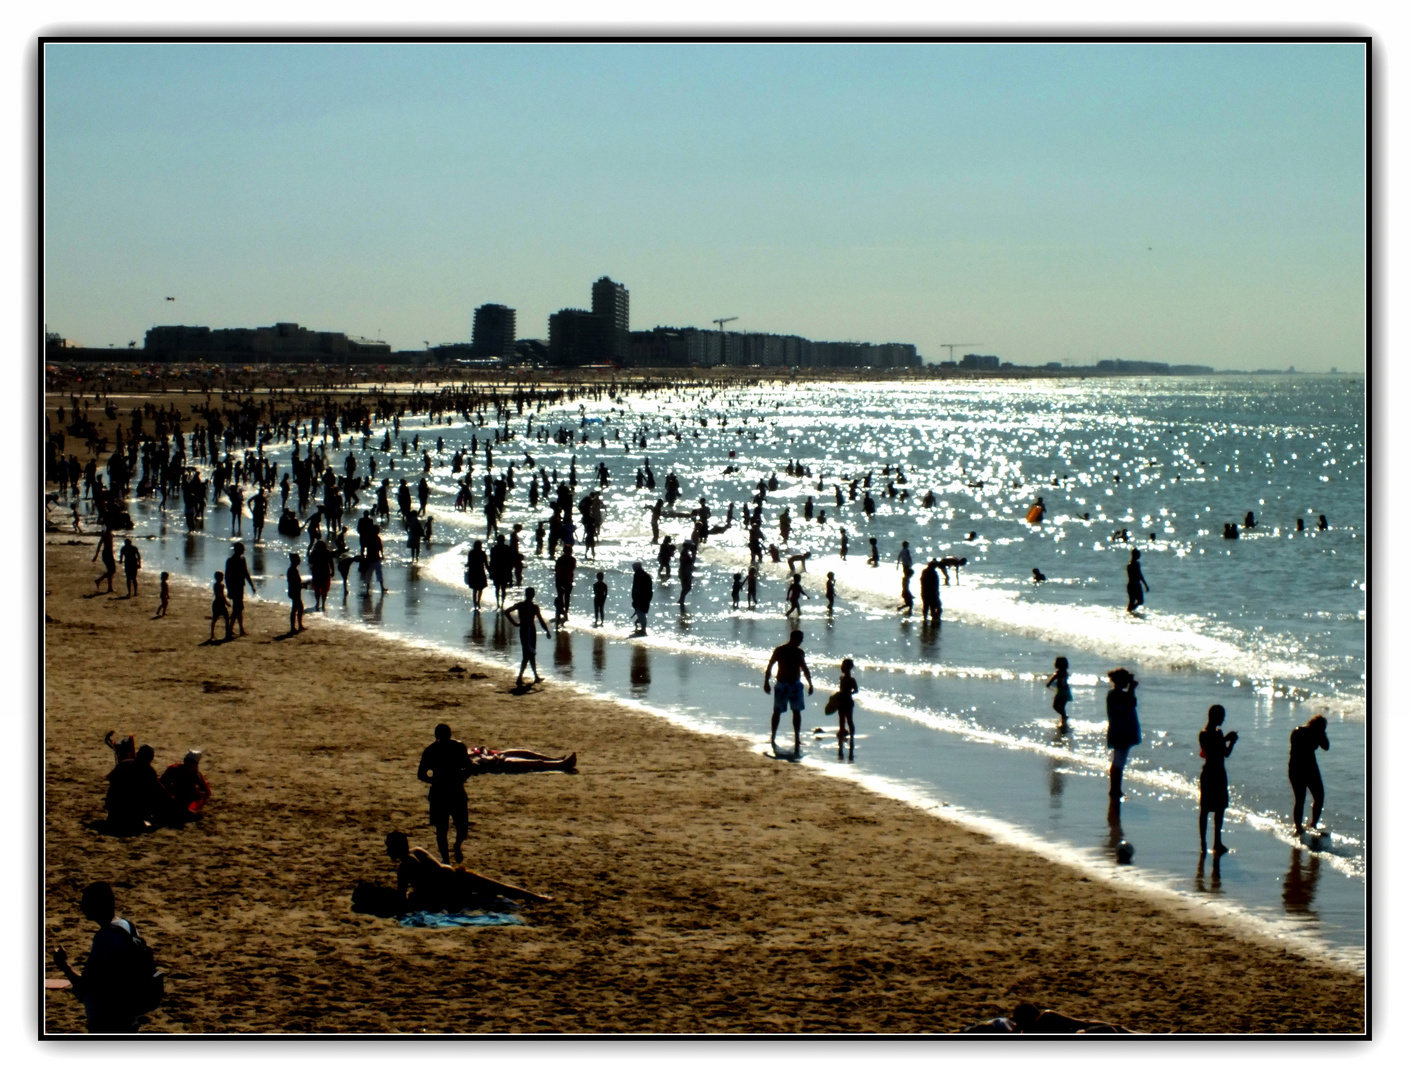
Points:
[(563, 572), (131, 560), (788, 692), (641, 597), (528, 636), (237, 576), (296, 594), (444, 765)]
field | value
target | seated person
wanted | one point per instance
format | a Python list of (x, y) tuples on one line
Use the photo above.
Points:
[(186, 786), (125, 749), (136, 800), (424, 883), (484, 760)]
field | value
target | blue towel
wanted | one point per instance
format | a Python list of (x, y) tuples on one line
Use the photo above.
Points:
[(441, 920)]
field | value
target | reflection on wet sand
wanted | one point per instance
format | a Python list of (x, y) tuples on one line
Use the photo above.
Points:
[(1214, 885), (1300, 886), (599, 654), (641, 669), (563, 651), (370, 608), (1057, 782), (1116, 842), (476, 636), (500, 640)]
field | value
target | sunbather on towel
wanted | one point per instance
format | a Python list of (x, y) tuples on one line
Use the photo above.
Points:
[(485, 760), (427, 884)]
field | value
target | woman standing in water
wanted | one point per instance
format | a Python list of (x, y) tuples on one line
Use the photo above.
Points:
[(1063, 694), (477, 572), (1123, 727), (1214, 747), (1135, 583), (1303, 773)]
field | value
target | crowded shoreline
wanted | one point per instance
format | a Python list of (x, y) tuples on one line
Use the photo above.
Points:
[(846, 849), (697, 886)]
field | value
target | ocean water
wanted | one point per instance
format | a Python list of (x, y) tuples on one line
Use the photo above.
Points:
[(956, 718)]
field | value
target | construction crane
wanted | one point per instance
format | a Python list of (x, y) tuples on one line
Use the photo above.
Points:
[(721, 322), (961, 345)]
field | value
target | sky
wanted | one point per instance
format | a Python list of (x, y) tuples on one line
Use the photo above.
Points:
[(1189, 203)]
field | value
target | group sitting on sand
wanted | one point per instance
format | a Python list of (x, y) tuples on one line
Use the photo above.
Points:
[(138, 799)]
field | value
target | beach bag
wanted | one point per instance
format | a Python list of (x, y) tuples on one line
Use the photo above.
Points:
[(145, 982), (835, 702)]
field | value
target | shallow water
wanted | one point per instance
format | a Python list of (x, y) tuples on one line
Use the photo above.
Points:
[(957, 717)]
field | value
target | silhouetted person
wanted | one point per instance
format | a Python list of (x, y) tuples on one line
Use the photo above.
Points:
[(788, 693), (106, 985), (1303, 773), (237, 576), (444, 765), (1039, 576), (794, 595), (423, 884), (186, 786), (131, 560), (136, 799), (1135, 581), (477, 572), (875, 558), (219, 610), (296, 594), (829, 591), (642, 589), (736, 587), (599, 599), (528, 611), (1214, 747), (1321, 522), (1063, 694), (163, 596), (105, 552), (1123, 728), (846, 688)]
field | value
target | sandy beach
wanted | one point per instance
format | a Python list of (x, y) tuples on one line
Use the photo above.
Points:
[(697, 887)]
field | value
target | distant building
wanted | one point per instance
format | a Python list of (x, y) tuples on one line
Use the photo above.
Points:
[(493, 332), (975, 362), (1133, 367), (577, 337), (612, 304), (284, 342)]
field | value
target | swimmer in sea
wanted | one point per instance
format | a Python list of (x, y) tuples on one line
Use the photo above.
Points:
[(1135, 597)]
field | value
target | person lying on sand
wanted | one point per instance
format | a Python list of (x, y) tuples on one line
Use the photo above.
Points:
[(1029, 1020), (426, 884), (485, 760)]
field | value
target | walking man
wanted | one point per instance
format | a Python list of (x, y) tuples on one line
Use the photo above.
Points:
[(528, 637)]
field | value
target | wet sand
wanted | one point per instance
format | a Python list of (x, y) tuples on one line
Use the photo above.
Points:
[(698, 887)]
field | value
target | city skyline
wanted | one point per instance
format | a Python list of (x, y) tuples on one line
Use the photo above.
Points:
[(1186, 203)]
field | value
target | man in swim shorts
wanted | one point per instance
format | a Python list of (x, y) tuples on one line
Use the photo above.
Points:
[(444, 765), (788, 691)]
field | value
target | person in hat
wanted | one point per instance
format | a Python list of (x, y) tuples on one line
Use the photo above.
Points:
[(186, 786)]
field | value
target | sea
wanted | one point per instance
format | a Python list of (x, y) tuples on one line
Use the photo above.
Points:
[(953, 718)]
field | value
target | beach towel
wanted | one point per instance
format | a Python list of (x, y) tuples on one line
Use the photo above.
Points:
[(440, 920)]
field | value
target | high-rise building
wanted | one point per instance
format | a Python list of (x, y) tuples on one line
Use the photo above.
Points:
[(610, 303), (493, 333), (576, 337)]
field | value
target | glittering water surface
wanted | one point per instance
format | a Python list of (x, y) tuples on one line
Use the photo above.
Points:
[(1271, 625)]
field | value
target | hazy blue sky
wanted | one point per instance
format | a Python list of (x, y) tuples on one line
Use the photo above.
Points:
[(1188, 203)]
